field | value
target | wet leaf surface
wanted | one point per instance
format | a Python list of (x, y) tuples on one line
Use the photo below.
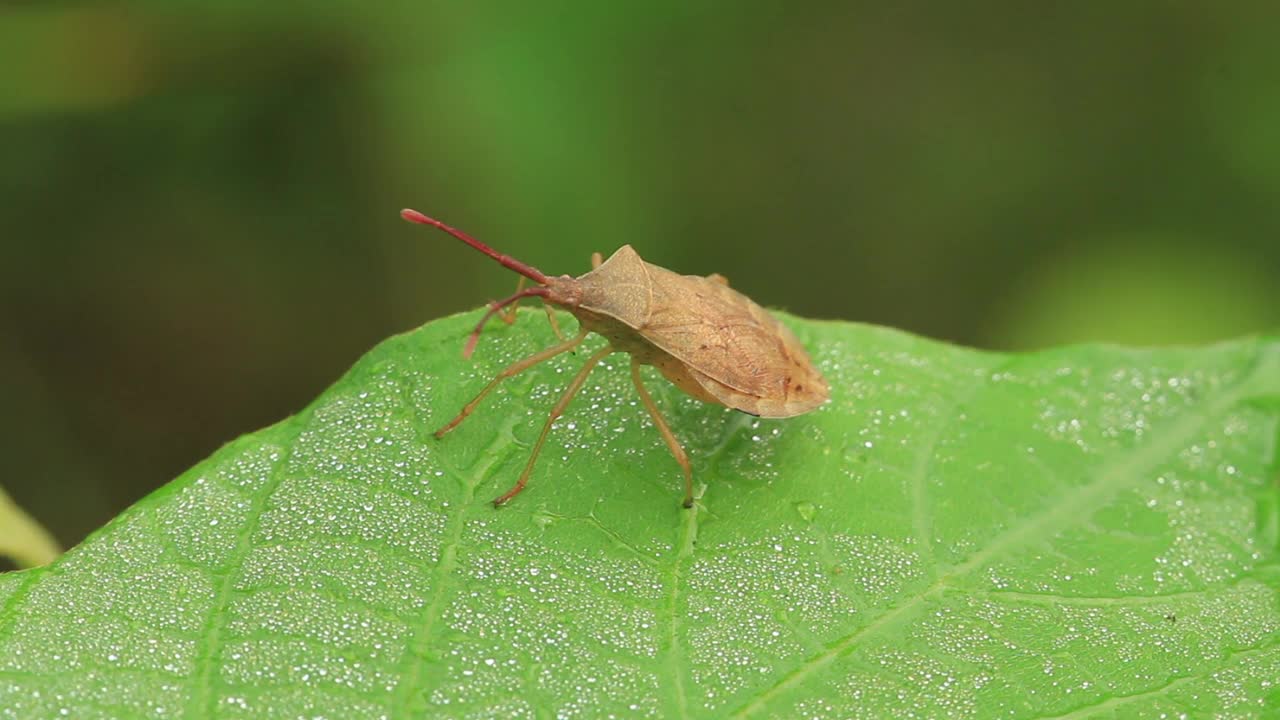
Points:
[(1083, 532)]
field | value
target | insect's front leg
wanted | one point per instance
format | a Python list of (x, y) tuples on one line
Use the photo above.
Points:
[(508, 316), (496, 309), (514, 368), (551, 318)]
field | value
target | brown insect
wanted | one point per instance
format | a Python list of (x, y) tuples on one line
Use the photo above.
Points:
[(711, 341)]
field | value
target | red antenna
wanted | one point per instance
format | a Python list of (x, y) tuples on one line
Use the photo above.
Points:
[(507, 261)]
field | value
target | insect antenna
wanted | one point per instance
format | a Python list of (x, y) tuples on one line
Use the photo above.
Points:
[(507, 261)]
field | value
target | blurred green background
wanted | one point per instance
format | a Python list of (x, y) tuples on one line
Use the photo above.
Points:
[(199, 200)]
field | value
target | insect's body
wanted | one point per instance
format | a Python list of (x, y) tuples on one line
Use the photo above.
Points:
[(709, 340)]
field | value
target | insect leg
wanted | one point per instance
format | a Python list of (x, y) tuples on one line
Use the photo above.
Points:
[(509, 316), (551, 318), (494, 309), (514, 368), (574, 386), (672, 443)]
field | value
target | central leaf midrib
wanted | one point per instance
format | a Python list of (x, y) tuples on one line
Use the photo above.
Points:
[(674, 660), (208, 657), (419, 645)]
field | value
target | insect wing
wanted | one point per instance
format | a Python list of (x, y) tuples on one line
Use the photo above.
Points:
[(731, 340)]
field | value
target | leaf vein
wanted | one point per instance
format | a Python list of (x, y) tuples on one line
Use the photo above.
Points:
[(1115, 702), (419, 644), (1070, 508), (202, 701)]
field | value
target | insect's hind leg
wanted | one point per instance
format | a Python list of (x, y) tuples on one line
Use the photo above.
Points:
[(672, 443), (514, 368), (574, 386)]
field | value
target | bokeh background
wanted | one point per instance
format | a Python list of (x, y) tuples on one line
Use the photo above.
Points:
[(198, 199)]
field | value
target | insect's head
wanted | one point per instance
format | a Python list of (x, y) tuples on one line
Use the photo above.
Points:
[(557, 290)]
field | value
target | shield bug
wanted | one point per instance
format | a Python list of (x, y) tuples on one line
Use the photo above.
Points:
[(709, 340)]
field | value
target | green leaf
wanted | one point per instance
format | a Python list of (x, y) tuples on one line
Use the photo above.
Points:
[(1090, 531)]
